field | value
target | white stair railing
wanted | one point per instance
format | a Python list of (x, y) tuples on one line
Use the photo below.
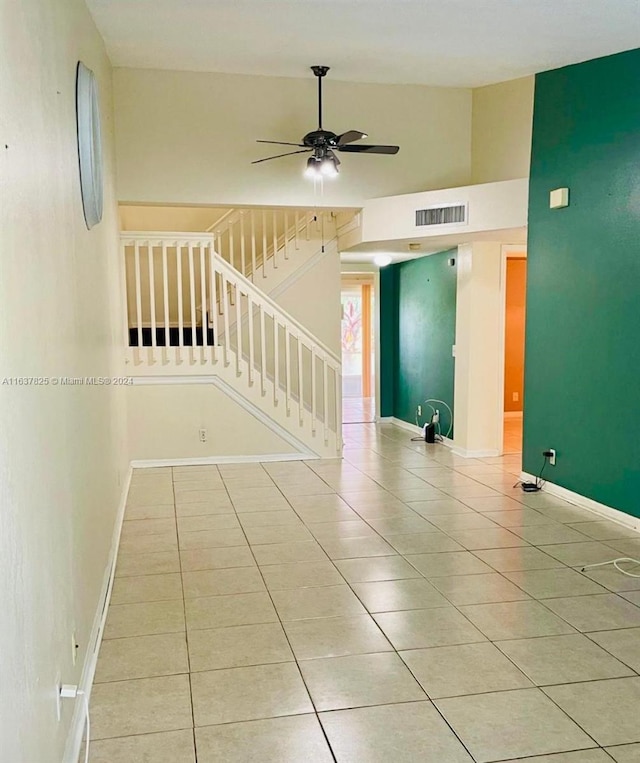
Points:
[(251, 239), (189, 311)]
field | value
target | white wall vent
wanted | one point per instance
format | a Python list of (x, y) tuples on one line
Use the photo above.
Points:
[(442, 215)]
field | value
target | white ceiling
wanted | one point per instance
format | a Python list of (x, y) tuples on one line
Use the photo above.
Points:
[(459, 43)]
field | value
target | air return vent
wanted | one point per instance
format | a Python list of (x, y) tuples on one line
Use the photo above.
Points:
[(447, 215)]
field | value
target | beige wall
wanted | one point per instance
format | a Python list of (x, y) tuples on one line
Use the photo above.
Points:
[(164, 423), (501, 134), (61, 454), (186, 137)]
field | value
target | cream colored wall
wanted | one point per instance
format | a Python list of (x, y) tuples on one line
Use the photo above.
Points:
[(479, 347), (501, 131), (164, 423), (186, 137), (61, 454)]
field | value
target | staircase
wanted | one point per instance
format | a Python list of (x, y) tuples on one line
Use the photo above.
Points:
[(195, 308)]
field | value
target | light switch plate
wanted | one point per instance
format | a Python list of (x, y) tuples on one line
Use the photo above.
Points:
[(559, 198)]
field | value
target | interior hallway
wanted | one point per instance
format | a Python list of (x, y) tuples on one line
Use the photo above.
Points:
[(403, 604)]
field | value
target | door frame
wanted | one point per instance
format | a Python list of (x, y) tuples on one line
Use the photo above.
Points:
[(372, 272), (513, 251)]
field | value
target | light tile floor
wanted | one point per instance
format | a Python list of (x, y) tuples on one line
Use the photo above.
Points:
[(402, 604), (358, 410)]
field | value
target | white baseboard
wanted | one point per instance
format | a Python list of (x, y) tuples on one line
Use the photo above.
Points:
[(513, 414), (207, 460), (412, 428), (601, 509), (76, 730)]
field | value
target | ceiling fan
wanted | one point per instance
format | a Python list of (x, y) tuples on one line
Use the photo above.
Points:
[(323, 144)]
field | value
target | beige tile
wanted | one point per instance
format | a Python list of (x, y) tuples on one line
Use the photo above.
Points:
[(515, 619), (632, 596), (448, 563), (334, 530), (547, 584), (359, 680), (203, 471), (362, 734), (147, 544), (606, 710), (451, 671), (480, 539), (402, 525), (242, 694), (215, 496), (496, 503), (216, 558), (469, 521), (335, 637), (223, 611), (545, 535), (212, 539), (352, 548), (284, 553), (157, 511), (623, 644), (478, 589), (277, 534), (306, 603), (142, 706), (583, 756), (470, 491), (423, 628), (519, 558), (208, 522), (445, 505), (154, 563), (376, 568), (185, 486), (279, 577), (238, 646), (222, 505), (508, 724), (269, 518), (163, 747), (129, 590), (133, 527), (423, 543), (144, 619), (562, 659), (394, 595), (143, 495), (275, 740), (222, 582), (605, 530), (629, 753), (142, 657)]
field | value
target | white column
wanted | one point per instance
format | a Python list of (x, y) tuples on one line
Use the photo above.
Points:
[(478, 350)]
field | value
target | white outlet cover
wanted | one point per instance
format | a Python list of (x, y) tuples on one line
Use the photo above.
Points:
[(559, 198)]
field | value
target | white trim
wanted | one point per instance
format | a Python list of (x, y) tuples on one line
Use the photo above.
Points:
[(304, 268), (206, 460), (164, 236), (513, 414), (413, 428), (601, 509), (76, 730)]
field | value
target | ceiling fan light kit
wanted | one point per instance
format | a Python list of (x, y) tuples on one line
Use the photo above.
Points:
[(323, 143)]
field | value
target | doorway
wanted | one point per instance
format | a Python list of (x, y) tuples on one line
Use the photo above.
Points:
[(358, 355), (515, 308)]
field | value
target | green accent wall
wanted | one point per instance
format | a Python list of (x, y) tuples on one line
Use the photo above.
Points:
[(417, 331), (582, 365)]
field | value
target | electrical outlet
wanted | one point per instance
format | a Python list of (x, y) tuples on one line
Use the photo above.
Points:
[(203, 435), (419, 410), (515, 397), (552, 457)]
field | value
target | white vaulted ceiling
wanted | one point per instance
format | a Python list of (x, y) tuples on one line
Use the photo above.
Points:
[(453, 43)]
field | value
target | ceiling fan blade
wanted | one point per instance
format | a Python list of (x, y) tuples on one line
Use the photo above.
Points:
[(350, 136), (278, 156), (369, 149), (280, 143)]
